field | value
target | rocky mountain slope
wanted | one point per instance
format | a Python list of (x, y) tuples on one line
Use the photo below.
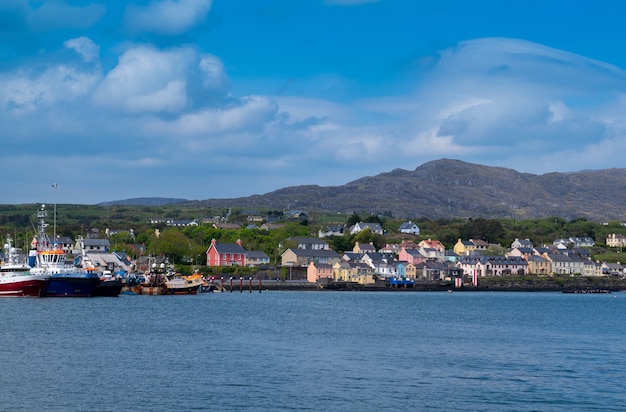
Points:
[(451, 188)]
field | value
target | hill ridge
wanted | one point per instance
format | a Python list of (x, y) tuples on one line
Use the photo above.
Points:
[(448, 188)]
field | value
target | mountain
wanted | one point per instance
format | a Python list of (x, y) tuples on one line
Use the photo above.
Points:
[(144, 201), (452, 188)]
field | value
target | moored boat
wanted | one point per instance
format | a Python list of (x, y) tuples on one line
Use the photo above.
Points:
[(64, 280), (108, 285), (182, 285), (16, 278)]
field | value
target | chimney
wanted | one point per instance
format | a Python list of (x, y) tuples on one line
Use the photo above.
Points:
[(239, 242), (213, 242)]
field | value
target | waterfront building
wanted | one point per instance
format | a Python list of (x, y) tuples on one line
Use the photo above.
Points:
[(226, 254)]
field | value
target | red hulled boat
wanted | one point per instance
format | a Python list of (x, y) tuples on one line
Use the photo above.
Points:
[(16, 278)]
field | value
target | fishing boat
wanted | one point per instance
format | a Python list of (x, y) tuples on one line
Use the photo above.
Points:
[(15, 276), (108, 285), (48, 258), (182, 285)]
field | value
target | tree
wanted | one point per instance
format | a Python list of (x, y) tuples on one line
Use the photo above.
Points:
[(340, 243), (353, 220), (373, 219), (172, 243)]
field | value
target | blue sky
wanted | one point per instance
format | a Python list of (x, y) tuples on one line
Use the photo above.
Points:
[(201, 99)]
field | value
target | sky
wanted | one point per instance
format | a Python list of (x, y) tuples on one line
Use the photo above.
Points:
[(206, 99)]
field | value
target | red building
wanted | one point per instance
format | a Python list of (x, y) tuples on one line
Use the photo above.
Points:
[(225, 254)]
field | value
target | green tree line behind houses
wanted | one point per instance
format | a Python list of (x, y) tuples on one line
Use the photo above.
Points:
[(188, 245)]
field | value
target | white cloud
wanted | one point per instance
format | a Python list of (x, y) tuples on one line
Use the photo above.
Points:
[(249, 114), (497, 100), (212, 68), (84, 46), (27, 91), (151, 80), (166, 17), (501, 102)]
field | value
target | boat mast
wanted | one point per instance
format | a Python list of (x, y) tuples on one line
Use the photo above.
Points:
[(42, 214), (55, 186)]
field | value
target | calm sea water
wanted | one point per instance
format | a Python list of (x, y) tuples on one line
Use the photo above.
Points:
[(333, 351)]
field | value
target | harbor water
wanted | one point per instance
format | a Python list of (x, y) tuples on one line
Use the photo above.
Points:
[(317, 351)]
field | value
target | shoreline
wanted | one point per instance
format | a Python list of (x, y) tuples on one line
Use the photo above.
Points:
[(501, 284)]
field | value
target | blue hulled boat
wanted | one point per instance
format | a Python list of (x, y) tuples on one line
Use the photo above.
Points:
[(48, 258)]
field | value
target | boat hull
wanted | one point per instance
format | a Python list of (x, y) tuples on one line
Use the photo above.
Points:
[(110, 288), (68, 286), (28, 287), (188, 290)]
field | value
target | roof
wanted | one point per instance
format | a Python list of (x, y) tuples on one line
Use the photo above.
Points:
[(525, 250), (335, 228), (227, 225), (524, 242), (372, 226), (228, 248), (353, 255), (557, 257), (326, 266), (313, 253), (308, 240), (96, 242), (413, 252), (366, 246), (257, 254)]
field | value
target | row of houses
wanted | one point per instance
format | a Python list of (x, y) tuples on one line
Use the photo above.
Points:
[(339, 230), (521, 258), (428, 260)]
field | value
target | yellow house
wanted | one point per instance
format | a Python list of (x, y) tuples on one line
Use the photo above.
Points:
[(363, 247), (410, 271), (538, 265), (353, 272), (462, 247), (468, 247)]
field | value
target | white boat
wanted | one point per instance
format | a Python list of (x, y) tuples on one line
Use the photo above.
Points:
[(15, 276), (182, 285)]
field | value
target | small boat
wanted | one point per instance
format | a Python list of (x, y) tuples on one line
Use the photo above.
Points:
[(182, 285), (16, 278)]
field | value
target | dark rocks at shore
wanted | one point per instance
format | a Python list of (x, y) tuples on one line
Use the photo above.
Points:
[(577, 284)]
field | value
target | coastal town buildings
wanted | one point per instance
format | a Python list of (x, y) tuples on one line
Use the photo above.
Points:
[(319, 271), (360, 226), (616, 240), (226, 254), (303, 257), (409, 228)]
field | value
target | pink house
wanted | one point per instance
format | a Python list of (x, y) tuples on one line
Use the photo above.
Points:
[(432, 244), (225, 254), (412, 256), (317, 271)]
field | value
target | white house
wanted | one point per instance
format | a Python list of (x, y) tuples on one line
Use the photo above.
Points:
[(360, 226), (410, 228)]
